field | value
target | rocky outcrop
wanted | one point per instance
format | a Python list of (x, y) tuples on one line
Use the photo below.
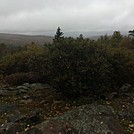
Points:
[(17, 106), (87, 119), (22, 89), (24, 108)]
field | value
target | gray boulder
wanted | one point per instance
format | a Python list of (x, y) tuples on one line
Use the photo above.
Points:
[(87, 119), (22, 87), (36, 86), (26, 85)]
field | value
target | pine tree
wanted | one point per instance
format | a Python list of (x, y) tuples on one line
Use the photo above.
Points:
[(131, 33), (58, 35)]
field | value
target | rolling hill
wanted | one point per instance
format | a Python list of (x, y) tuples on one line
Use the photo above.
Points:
[(21, 40)]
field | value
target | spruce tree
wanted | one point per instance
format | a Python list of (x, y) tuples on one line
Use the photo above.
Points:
[(58, 35), (131, 33)]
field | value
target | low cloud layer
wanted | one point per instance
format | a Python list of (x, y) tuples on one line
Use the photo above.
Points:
[(29, 16)]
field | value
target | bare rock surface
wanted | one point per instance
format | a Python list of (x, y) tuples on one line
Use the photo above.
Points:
[(87, 119), (37, 108)]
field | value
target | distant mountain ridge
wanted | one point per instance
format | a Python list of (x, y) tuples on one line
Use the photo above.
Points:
[(22, 40)]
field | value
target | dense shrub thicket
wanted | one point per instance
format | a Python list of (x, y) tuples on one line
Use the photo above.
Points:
[(74, 67)]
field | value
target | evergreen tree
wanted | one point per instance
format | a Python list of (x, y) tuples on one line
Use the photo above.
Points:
[(58, 35), (131, 33), (116, 38), (80, 37)]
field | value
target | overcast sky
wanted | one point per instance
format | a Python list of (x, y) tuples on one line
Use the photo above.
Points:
[(27, 16)]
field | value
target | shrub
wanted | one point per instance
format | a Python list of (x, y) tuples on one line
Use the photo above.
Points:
[(2, 82), (20, 78), (78, 69), (82, 68), (121, 61), (24, 61)]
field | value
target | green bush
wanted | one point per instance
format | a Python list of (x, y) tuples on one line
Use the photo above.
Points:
[(76, 70), (23, 61), (120, 59), (83, 68)]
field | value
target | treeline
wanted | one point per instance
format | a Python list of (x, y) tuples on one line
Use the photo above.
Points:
[(73, 66)]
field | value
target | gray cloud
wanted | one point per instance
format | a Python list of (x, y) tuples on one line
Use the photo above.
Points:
[(72, 15)]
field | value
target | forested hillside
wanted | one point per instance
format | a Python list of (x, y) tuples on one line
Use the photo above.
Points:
[(15, 40)]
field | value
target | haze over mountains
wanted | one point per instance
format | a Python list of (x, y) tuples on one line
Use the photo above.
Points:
[(46, 37), (21, 40)]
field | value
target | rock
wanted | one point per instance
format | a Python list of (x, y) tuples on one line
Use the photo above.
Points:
[(109, 96), (133, 101), (31, 118), (21, 91), (5, 92), (37, 86), (26, 97), (26, 101), (12, 128), (23, 87), (5, 127), (6, 108), (12, 118), (15, 128), (126, 88), (126, 114), (129, 94), (32, 131), (34, 117), (10, 88), (87, 119), (26, 85), (57, 102), (18, 123), (112, 96)]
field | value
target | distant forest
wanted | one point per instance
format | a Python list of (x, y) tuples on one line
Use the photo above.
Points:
[(73, 66)]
